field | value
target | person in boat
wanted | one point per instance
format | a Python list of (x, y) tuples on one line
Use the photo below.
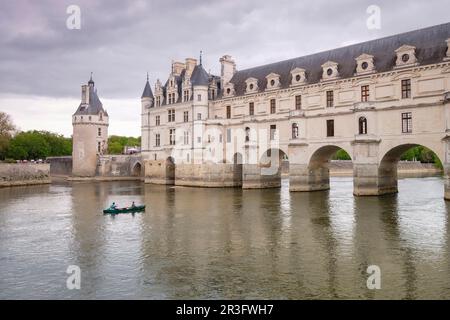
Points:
[(113, 206), (133, 205)]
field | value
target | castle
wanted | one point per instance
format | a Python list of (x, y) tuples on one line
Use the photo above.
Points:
[(374, 99)]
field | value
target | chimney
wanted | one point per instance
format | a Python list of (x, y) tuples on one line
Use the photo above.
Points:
[(228, 69), (190, 65), (177, 67), (85, 94)]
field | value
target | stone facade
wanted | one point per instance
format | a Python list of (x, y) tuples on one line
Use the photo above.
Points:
[(375, 100), (90, 132)]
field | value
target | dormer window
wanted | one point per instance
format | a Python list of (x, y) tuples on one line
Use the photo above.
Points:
[(298, 76), (251, 85), (448, 50), (330, 71), (364, 64), (273, 81), (229, 90), (406, 56)]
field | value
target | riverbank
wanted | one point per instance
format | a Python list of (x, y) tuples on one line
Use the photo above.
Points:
[(406, 169), (24, 174)]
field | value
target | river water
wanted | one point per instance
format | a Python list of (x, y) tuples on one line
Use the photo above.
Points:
[(224, 243)]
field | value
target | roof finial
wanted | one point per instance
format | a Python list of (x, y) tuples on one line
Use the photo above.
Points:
[(90, 80), (147, 76), (201, 53)]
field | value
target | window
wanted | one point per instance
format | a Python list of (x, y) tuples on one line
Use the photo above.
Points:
[(272, 106), (186, 116), (99, 132), (158, 101), (362, 125), (228, 135), (101, 116), (186, 95), (199, 97), (99, 147), (213, 94), (172, 137), (407, 122), (330, 128), (199, 116), (251, 108), (330, 99), (406, 88), (298, 102), (294, 131), (158, 120), (220, 138), (273, 131), (247, 134), (364, 93), (228, 112), (157, 140), (89, 118), (171, 115), (186, 137)]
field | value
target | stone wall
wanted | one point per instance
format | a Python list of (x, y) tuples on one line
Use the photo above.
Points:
[(60, 166), (120, 166), (22, 174)]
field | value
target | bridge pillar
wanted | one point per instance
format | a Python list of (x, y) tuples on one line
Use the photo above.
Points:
[(304, 178), (368, 178), (302, 175), (257, 176), (447, 181)]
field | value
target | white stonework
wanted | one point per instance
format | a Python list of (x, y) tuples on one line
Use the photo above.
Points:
[(239, 137)]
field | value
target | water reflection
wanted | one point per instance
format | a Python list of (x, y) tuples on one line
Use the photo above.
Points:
[(224, 243)]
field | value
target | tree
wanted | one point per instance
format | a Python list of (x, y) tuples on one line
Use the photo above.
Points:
[(7, 129), (116, 144), (38, 145), (341, 154)]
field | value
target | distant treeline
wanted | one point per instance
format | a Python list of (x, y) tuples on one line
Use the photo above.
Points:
[(28, 145)]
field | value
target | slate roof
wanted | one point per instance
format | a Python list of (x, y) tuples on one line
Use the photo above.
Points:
[(147, 91), (199, 76), (429, 42), (94, 107)]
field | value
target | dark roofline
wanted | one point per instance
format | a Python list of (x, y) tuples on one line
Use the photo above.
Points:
[(429, 42)]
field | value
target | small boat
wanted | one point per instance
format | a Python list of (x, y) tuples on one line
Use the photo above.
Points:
[(124, 210)]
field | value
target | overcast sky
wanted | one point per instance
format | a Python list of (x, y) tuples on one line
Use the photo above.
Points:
[(43, 63)]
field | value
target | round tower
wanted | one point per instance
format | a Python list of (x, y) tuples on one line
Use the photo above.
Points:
[(90, 132)]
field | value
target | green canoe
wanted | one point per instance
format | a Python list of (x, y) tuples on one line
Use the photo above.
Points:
[(124, 210)]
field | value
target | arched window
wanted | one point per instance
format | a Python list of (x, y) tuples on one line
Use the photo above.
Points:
[(247, 134), (294, 131), (362, 125)]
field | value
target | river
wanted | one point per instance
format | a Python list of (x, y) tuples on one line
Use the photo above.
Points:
[(224, 243)]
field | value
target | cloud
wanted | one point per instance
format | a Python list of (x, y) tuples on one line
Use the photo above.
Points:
[(120, 40)]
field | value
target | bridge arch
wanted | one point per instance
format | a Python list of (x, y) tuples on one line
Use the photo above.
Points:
[(318, 165), (170, 171), (137, 169), (388, 165), (237, 169)]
